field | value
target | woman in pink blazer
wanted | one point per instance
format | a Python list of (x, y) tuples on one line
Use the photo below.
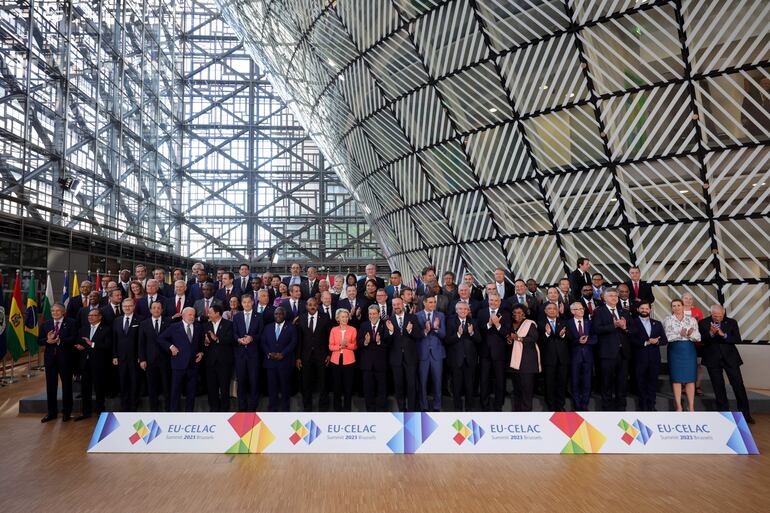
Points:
[(342, 344)]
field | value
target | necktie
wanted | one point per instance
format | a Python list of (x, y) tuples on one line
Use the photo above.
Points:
[(294, 307), (277, 331), (521, 300), (150, 301), (126, 323), (591, 307), (243, 283), (614, 314), (93, 332), (553, 326), (462, 325), (326, 308), (400, 321), (580, 328), (374, 332), (311, 324), (207, 307), (179, 305), (157, 326), (260, 308), (430, 319), (56, 328), (247, 320), (189, 333), (227, 292), (636, 289), (117, 310), (396, 292), (382, 311), (493, 313)]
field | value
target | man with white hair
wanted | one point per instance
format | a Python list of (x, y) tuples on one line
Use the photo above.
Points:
[(371, 274), (719, 335), (464, 294), (152, 294), (184, 341)]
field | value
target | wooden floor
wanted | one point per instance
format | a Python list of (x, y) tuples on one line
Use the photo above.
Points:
[(45, 468)]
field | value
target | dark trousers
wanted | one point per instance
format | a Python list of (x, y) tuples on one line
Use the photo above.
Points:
[(523, 390), (247, 375), (555, 385), (492, 373), (93, 381), (736, 382), (375, 391), (186, 379), (127, 372), (582, 368), (463, 378), (278, 386), (405, 386), (57, 366), (647, 382), (313, 376), (343, 385), (218, 378), (614, 383), (433, 368), (159, 380)]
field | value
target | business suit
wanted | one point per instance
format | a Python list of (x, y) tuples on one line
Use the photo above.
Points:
[(313, 352), (143, 306), (360, 311), (184, 370), (58, 363), (125, 341), (388, 310), (166, 290), (267, 312), (614, 347), (589, 305), (472, 304), (582, 359), (300, 280), (577, 279), (645, 292), (394, 291), (361, 284), (508, 289), (218, 359), (404, 360), (647, 361), (279, 371), (293, 308), (462, 358), (720, 356), (555, 357), (442, 303), (224, 295), (94, 365), (247, 358), (158, 365), (528, 302), (309, 288), (540, 317), (373, 359), (431, 353), (108, 314), (201, 311), (74, 305), (495, 357), (330, 311), (177, 304)]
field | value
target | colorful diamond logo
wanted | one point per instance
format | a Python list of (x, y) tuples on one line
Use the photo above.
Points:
[(472, 432), (307, 432), (637, 431), (147, 432), (253, 434), (584, 438)]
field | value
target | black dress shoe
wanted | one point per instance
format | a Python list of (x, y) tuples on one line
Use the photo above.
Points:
[(750, 419), (66, 418), (82, 417), (48, 418)]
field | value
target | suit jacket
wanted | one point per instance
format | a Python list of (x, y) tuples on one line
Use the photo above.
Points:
[(720, 351), (195, 289), (185, 302), (577, 279), (108, 315), (166, 290), (67, 335), (224, 297), (286, 305), (596, 303), (361, 285), (612, 341), (125, 345), (494, 344), (630, 307), (442, 303), (102, 339), (355, 320), (432, 344), (540, 318), (239, 287), (200, 308), (650, 353), (509, 289), (332, 312), (388, 308), (373, 356), (530, 302), (472, 304), (403, 345), (176, 335), (74, 306), (285, 344), (390, 290), (574, 337), (267, 313), (477, 293), (645, 292), (143, 307), (554, 348), (255, 331), (313, 345), (463, 350), (150, 350), (309, 290), (124, 288), (287, 281), (219, 353)]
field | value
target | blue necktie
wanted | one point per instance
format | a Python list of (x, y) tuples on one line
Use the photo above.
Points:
[(277, 331), (553, 326)]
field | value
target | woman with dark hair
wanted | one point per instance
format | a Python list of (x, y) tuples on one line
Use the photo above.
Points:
[(135, 291), (233, 308), (370, 293), (283, 294), (525, 358), (450, 287)]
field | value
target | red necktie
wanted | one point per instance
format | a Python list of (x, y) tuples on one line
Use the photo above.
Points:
[(580, 328), (591, 307), (636, 290), (178, 305), (56, 328)]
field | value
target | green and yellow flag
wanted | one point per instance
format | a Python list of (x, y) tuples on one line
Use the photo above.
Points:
[(30, 320), (15, 330)]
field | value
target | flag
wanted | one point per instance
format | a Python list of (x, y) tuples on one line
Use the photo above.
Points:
[(90, 277), (48, 301), (98, 284), (31, 328), (65, 293), (169, 278), (15, 332), (75, 288), (2, 321)]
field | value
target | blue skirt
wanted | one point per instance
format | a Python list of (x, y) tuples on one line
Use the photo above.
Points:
[(682, 361)]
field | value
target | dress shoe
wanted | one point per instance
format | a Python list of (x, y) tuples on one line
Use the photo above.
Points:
[(48, 418), (750, 419), (66, 418), (82, 417)]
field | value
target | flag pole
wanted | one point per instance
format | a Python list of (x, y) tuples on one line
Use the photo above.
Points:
[(29, 373)]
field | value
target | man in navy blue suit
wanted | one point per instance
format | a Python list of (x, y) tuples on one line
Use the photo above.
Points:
[(125, 348), (279, 340), (247, 329), (184, 341), (227, 290), (374, 337), (495, 324), (431, 351), (583, 341), (57, 336), (152, 295), (295, 305), (649, 337), (614, 331)]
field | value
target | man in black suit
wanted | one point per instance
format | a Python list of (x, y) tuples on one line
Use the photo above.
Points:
[(247, 330), (164, 289), (328, 306), (462, 340), (719, 335), (125, 341), (95, 348), (354, 305), (587, 299), (503, 287), (521, 296), (374, 337), (179, 301), (313, 329), (202, 305), (495, 325), (580, 276), (555, 356), (649, 337), (218, 344), (639, 290), (295, 305), (242, 282), (624, 300), (153, 359), (227, 290), (370, 274), (383, 304), (476, 291), (309, 287), (93, 302), (264, 306), (151, 296), (57, 336), (551, 298), (184, 340), (112, 310), (124, 283), (464, 296), (403, 355), (78, 302), (614, 330), (294, 278)]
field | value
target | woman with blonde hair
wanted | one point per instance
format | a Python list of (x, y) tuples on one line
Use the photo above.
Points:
[(342, 344)]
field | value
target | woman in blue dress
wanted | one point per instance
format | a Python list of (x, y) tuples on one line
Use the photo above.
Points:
[(682, 333)]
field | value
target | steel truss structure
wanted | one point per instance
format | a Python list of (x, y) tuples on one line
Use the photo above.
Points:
[(523, 134)]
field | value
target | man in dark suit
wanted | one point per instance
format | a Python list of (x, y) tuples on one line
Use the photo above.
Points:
[(184, 340), (164, 289), (370, 273), (218, 344), (624, 300), (227, 290), (353, 305), (464, 296), (614, 330), (154, 359), (462, 341), (431, 351), (247, 328), (203, 304), (374, 337), (328, 306), (477, 292), (495, 325), (125, 342), (178, 301), (295, 305), (279, 340), (93, 302), (555, 356), (242, 282), (151, 296), (639, 290), (195, 287), (434, 290), (264, 307), (95, 347), (566, 296), (587, 300), (719, 335), (112, 310), (521, 296), (503, 287), (124, 283), (396, 284), (57, 336), (309, 287), (78, 302), (407, 334), (294, 278), (383, 304), (313, 330), (580, 276), (649, 337), (583, 340)]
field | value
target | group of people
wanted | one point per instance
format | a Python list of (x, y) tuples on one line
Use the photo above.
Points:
[(350, 333)]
